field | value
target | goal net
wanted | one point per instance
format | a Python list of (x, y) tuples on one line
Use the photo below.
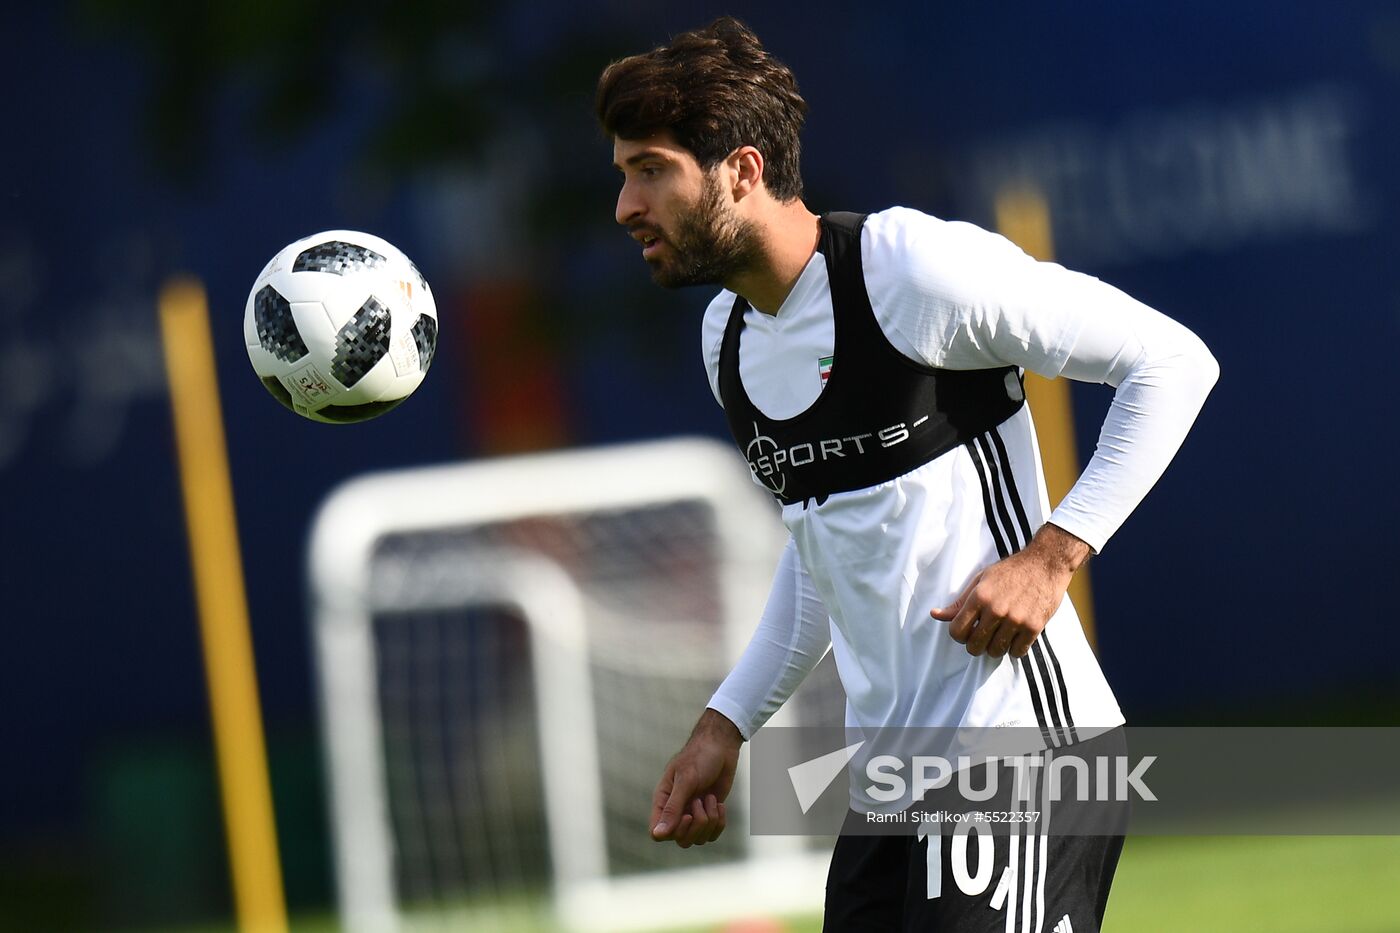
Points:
[(508, 653)]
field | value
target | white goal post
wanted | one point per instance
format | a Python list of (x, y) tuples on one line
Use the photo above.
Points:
[(507, 651)]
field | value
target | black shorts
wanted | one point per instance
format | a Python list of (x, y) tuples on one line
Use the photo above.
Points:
[(1039, 880)]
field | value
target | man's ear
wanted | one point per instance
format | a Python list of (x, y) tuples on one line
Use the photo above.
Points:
[(746, 167)]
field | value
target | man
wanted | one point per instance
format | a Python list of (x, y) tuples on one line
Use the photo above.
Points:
[(870, 370)]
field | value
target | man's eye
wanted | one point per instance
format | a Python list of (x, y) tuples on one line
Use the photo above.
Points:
[(651, 171)]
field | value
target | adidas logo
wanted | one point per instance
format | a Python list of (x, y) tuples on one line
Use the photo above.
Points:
[(1064, 926)]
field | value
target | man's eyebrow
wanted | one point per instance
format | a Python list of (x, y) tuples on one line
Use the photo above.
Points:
[(642, 157)]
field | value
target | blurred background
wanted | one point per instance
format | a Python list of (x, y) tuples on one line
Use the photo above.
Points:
[(1230, 164)]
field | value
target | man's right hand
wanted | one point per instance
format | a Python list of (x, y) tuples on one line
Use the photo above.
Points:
[(688, 805)]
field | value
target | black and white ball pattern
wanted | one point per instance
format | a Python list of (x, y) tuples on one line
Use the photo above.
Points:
[(341, 326)]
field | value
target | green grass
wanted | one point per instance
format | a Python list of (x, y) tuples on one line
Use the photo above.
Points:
[(1249, 884), (1240, 884), (1178, 884), (1245, 884)]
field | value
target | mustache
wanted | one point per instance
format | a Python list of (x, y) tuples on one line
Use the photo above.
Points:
[(635, 229)]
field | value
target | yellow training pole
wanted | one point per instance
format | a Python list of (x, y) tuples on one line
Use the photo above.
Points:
[(1023, 217), (223, 610)]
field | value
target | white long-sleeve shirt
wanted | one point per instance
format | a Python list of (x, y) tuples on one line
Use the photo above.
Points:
[(863, 569)]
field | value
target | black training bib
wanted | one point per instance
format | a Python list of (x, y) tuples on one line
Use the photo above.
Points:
[(880, 414)]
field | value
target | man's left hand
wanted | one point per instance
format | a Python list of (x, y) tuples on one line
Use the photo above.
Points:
[(1006, 606)]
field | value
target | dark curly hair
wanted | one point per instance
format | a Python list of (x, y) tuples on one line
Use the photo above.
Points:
[(715, 89)]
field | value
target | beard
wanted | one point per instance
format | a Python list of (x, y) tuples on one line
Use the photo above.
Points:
[(711, 244)]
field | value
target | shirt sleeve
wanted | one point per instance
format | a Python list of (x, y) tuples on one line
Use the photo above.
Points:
[(954, 296), (712, 336), (792, 636), (1162, 373)]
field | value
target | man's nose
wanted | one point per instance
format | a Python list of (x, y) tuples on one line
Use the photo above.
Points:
[(629, 205)]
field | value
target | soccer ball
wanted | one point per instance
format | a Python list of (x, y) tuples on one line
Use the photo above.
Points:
[(340, 326)]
